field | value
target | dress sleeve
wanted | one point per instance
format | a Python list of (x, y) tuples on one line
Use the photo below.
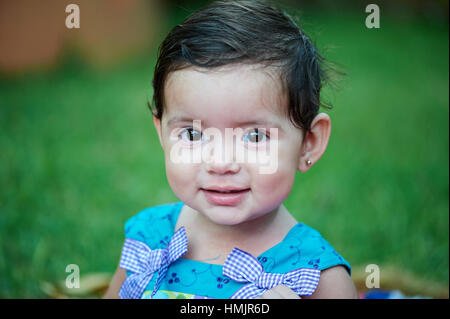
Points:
[(322, 254), (154, 225), (307, 248)]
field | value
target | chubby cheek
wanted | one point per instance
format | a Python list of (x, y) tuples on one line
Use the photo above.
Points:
[(272, 189), (181, 178)]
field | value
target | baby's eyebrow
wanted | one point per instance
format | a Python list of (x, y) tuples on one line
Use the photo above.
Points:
[(259, 123), (179, 119)]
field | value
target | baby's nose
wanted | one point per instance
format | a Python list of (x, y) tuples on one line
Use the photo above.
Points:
[(220, 159), (222, 167)]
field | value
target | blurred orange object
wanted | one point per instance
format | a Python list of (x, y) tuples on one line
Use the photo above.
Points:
[(33, 34)]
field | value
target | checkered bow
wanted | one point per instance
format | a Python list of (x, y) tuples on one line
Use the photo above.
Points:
[(143, 262), (243, 267)]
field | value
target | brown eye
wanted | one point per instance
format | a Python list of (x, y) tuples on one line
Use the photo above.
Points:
[(191, 135), (255, 136)]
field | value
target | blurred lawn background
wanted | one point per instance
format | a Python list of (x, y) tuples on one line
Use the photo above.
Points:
[(79, 154)]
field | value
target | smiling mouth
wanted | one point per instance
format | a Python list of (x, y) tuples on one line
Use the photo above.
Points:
[(226, 191), (225, 197)]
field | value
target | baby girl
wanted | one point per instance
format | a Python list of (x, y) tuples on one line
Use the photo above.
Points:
[(236, 89)]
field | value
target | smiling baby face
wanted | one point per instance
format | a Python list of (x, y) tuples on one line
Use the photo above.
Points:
[(249, 102)]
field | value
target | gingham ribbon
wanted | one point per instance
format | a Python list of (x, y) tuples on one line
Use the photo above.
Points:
[(243, 267), (143, 262)]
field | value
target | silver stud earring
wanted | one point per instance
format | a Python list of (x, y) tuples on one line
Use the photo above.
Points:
[(308, 162)]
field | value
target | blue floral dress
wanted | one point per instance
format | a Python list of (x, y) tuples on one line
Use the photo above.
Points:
[(154, 227)]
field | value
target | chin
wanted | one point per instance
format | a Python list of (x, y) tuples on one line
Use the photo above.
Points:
[(225, 215), (231, 216)]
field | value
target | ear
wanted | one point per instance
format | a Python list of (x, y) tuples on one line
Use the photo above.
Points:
[(157, 123), (315, 142)]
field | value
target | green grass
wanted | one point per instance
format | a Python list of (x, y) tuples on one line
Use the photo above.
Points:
[(79, 155)]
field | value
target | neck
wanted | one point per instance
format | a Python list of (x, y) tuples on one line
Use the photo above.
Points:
[(249, 233)]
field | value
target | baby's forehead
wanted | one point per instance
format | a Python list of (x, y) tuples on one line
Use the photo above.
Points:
[(242, 89), (237, 71)]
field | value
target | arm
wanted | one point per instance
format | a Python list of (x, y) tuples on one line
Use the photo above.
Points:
[(116, 283), (335, 283)]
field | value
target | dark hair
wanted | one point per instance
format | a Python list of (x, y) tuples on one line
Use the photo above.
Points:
[(249, 32)]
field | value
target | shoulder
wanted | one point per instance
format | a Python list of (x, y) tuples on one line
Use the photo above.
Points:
[(153, 225), (335, 283), (314, 250)]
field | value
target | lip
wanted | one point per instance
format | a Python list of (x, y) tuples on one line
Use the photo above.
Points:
[(225, 196)]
